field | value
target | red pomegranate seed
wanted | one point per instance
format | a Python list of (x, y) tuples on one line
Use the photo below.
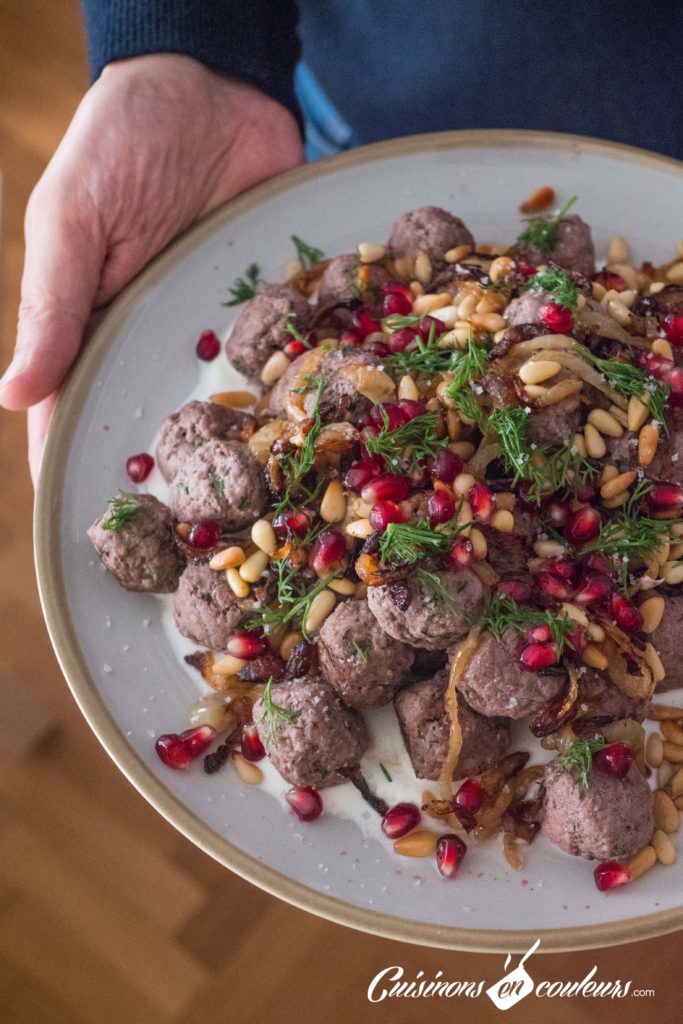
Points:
[(250, 744), (558, 319), (350, 337), (583, 525), (397, 288), (626, 615), (378, 348), (561, 567), (385, 487), (440, 508), (247, 644), (173, 752), (291, 522), (672, 325), (593, 588), (208, 346), (482, 502), (419, 478), (471, 795), (610, 874), (540, 634), (556, 512), (360, 474), (657, 366), (577, 640), (446, 466), (461, 554), (364, 323), (204, 534), (198, 740), (400, 340), (400, 819), (396, 304), (411, 408), (294, 348), (524, 269), (425, 326), (305, 801), (138, 467), (610, 281), (518, 590), (614, 760), (584, 492), (538, 656), (450, 851), (598, 563), (553, 587), (665, 497), (328, 549), (383, 513)]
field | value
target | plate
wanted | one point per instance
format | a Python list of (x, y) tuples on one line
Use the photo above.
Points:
[(129, 682)]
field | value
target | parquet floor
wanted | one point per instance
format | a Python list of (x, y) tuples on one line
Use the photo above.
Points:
[(107, 915)]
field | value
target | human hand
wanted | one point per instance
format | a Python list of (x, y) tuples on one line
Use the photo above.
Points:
[(157, 142)]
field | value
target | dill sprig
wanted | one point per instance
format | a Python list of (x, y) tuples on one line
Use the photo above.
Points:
[(558, 283), (406, 543), (426, 357), (274, 714), (291, 329), (385, 773), (123, 510), (578, 761), (418, 438), (244, 288), (361, 651), (307, 255), (509, 423), (293, 600), (503, 613), (631, 382), (542, 232), (468, 363), (298, 464), (432, 582)]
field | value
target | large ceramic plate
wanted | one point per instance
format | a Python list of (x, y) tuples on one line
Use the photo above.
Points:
[(128, 682)]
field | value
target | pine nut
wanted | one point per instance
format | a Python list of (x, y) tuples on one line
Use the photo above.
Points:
[(598, 290), (667, 815), (464, 517), (638, 412), (488, 321), (617, 501), (462, 483), (430, 302), (419, 843), (571, 611), (654, 750), (404, 267), (596, 632), (370, 252), (227, 558), (618, 250), (673, 753), (663, 847), (594, 658), (672, 573), (661, 553), (642, 861), (468, 306), (652, 611), (628, 297), (503, 521), (672, 731), (228, 665), (263, 536), (275, 367), (500, 267), (535, 372), (648, 439), (239, 587), (288, 644), (453, 424), (456, 254), (407, 388), (253, 569), (539, 200), (580, 445), (676, 552), (605, 423), (343, 586), (423, 268), (595, 445), (479, 543), (619, 312), (655, 662), (661, 347), (333, 505), (662, 712), (234, 399), (664, 773), (677, 783), (319, 608), (620, 415), (247, 771), (549, 549), (359, 528), (675, 273), (506, 500), (465, 449), (617, 484)]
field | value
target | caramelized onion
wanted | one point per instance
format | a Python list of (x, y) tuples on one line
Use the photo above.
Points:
[(487, 451), (563, 389), (620, 650), (556, 711), (461, 660), (605, 326)]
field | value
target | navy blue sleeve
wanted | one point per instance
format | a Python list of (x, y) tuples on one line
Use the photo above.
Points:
[(253, 40)]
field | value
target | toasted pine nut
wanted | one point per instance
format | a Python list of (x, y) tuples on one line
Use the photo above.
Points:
[(274, 368), (465, 449), (664, 773), (500, 267), (608, 473), (288, 644), (619, 312), (541, 199), (227, 665), (234, 399), (535, 372), (618, 250), (672, 573), (468, 306), (667, 815), (453, 424), (598, 290), (593, 657), (676, 552), (616, 501), (463, 517), (423, 267), (652, 611), (370, 252), (416, 288), (617, 484), (253, 569), (661, 347), (605, 423), (663, 847), (359, 528), (405, 267), (662, 712), (638, 412), (654, 750), (463, 482), (672, 731), (407, 388), (318, 610), (596, 632), (642, 861), (263, 536), (620, 415), (574, 613), (503, 520), (506, 500), (343, 586), (648, 439), (580, 445), (673, 753), (419, 843), (549, 548), (247, 770), (479, 543), (488, 321), (227, 558), (677, 783), (430, 302), (333, 505), (655, 662), (239, 587), (595, 445), (456, 254), (675, 273)]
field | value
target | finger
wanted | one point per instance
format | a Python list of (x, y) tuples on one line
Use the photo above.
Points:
[(39, 417)]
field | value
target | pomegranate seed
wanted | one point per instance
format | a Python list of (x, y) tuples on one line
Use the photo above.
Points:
[(420, 477), (400, 340), (672, 325), (524, 269), (540, 634), (291, 522), (385, 487), (553, 587), (610, 281), (250, 744), (378, 348), (440, 508), (614, 760), (397, 288), (538, 656), (294, 348), (395, 303), (665, 497), (583, 525), (138, 467), (411, 408), (558, 319), (674, 379), (471, 795), (198, 740), (450, 851), (626, 615), (482, 502), (657, 366), (528, 503), (399, 820), (610, 874), (350, 337), (518, 590), (577, 640), (208, 346), (424, 328), (329, 548), (360, 474), (383, 513), (364, 323), (204, 534), (390, 416), (556, 512), (173, 751), (598, 563), (305, 801), (461, 554), (446, 466), (586, 491), (561, 567), (247, 644), (593, 588)]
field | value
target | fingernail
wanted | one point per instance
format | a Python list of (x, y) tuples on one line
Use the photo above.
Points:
[(18, 365)]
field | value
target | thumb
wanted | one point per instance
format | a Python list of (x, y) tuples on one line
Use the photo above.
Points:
[(64, 257)]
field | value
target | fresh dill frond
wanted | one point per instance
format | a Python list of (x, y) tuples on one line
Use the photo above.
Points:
[(558, 283), (297, 465), (307, 255), (631, 382), (469, 363), (502, 613), (578, 761), (509, 424), (361, 651), (123, 510), (406, 543), (418, 438), (432, 582), (542, 232), (274, 714), (468, 406), (293, 599), (244, 288), (291, 329), (385, 773), (397, 321), (426, 357), (216, 483)]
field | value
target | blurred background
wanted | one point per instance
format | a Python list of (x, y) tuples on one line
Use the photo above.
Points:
[(106, 913)]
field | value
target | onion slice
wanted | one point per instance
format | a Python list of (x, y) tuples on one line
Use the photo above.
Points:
[(460, 662)]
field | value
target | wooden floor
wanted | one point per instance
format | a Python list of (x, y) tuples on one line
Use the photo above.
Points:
[(107, 915)]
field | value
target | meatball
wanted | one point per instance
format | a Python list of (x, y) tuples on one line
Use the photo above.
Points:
[(623, 452), (315, 737), (359, 660), (221, 481), (425, 725), (417, 614), (428, 229), (573, 249), (611, 819), (192, 426), (204, 607), (135, 541), (556, 424), (527, 308), (508, 553), (495, 683), (340, 400), (599, 696), (668, 462), (346, 279), (261, 328), (667, 641)]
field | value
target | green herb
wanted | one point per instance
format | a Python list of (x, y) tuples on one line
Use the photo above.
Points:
[(297, 465), (503, 613), (578, 761), (274, 714), (361, 651), (432, 582), (291, 329), (542, 232), (631, 382), (123, 510), (244, 288), (216, 483), (385, 773), (308, 255), (468, 406), (405, 544), (418, 438), (427, 357), (558, 283), (468, 363), (510, 425), (292, 603)]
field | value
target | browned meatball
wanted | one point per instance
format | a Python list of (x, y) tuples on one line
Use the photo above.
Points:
[(261, 328), (204, 607), (508, 553), (573, 250), (556, 424), (599, 696), (221, 481), (667, 641), (192, 426), (137, 546), (340, 400), (428, 229), (346, 279), (527, 308)]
